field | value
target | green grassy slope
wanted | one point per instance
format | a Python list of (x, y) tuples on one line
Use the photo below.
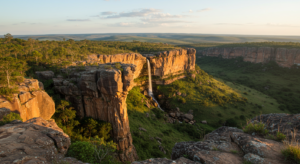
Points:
[(270, 79), (216, 100), (145, 143)]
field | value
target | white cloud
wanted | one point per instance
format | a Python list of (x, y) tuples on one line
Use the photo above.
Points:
[(205, 9), (140, 13), (191, 11)]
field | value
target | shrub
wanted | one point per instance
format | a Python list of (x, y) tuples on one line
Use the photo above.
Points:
[(256, 128), (292, 153), (108, 67), (118, 66), (231, 122), (10, 117), (158, 113), (82, 150), (182, 100), (280, 136), (242, 117)]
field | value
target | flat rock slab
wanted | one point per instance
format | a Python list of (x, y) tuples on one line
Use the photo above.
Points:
[(33, 141)]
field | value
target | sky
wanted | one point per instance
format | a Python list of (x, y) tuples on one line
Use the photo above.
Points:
[(250, 17)]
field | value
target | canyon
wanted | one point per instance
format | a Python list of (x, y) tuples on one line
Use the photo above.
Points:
[(100, 91), (284, 57)]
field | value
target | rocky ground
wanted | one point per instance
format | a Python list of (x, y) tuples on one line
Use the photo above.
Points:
[(229, 145)]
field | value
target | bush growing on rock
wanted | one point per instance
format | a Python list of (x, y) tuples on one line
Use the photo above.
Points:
[(258, 128), (9, 118)]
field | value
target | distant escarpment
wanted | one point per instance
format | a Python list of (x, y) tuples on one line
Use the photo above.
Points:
[(30, 101), (100, 91), (283, 56)]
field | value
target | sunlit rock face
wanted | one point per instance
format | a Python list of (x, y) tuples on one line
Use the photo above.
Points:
[(30, 102), (283, 56), (101, 91)]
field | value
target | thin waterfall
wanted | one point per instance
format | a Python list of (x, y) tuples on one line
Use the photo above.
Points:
[(150, 92)]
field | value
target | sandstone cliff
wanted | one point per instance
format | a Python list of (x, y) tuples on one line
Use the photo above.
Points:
[(30, 102), (169, 66), (283, 56), (101, 91)]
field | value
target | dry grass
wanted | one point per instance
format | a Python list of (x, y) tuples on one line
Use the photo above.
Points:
[(292, 152)]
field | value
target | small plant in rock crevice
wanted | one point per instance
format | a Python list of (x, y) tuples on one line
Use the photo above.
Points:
[(258, 128)]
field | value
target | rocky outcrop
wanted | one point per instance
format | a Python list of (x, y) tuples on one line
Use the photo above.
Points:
[(33, 141), (169, 65), (44, 75), (288, 124), (228, 145), (30, 102), (166, 161), (283, 56), (100, 92)]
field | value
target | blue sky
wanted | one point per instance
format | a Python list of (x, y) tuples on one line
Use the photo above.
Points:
[(253, 17)]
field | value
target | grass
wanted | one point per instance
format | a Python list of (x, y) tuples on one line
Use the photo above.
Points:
[(276, 87), (145, 143), (292, 153), (203, 98)]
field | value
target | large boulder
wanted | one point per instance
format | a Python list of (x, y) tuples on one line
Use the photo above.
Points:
[(33, 141), (30, 102)]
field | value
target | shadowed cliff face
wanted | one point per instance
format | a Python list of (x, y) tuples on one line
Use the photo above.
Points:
[(283, 56), (101, 91), (30, 102)]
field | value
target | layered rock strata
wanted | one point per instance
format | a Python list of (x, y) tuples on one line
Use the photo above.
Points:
[(33, 141), (283, 56), (30, 102), (100, 92), (171, 65)]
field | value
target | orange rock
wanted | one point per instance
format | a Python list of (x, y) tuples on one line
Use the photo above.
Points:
[(30, 102)]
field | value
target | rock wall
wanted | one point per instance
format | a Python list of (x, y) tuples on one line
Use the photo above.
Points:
[(283, 56), (173, 62), (100, 92), (30, 102)]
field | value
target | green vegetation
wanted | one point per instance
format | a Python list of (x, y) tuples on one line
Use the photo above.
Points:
[(9, 118), (96, 151), (153, 121), (271, 80), (216, 101), (292, 153), (257, 128)]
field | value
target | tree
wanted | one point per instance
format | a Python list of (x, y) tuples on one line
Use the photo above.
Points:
[(37, 55), (10, 65), (8, 37)]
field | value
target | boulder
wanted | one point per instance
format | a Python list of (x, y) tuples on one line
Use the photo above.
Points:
[(30, 102), (33, 141), (188, 116), (44, 75), (204, 122)]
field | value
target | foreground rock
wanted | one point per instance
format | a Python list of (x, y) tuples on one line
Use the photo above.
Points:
[(287, 124), (30, 102), (228, 145), (33, 141), (166, 161), (282, 56)]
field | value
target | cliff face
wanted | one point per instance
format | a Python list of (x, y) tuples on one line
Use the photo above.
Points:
[(30, 102), (173, 62), (283, 56), (101, 91)]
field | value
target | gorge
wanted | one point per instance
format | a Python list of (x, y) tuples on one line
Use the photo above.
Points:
[(100, 91)]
